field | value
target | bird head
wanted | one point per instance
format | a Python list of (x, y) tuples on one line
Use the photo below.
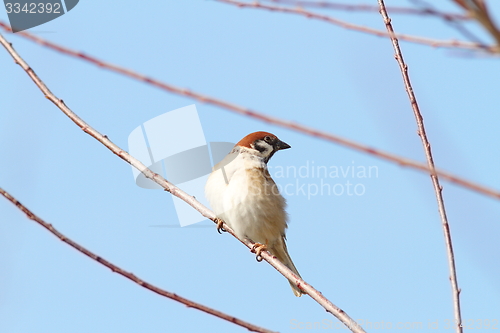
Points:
[(263, 143)]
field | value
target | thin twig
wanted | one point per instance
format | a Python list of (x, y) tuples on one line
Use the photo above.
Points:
[(455, 20), (478, 10), (453, 23), (129, 275), (405, 162), (438, 189), (372, 8), (360, 28), (273, 261)]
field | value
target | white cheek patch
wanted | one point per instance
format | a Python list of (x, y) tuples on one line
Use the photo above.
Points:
[(264, 148)]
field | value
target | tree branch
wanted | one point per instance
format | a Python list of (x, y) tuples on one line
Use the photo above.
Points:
[(313, 293), (355, 27), (373, 8), (405, 162), (478, 10), (438, 189), (455, 20), (129, 275)]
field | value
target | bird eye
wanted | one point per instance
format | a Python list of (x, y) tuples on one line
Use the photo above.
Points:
[(268, 139)]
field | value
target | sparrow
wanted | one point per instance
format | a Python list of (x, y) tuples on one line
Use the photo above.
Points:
[(242, 193)]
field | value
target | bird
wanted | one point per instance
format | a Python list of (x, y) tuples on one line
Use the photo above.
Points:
[(242, 194)]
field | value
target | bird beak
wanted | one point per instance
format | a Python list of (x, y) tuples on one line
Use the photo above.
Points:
[(282, 145)]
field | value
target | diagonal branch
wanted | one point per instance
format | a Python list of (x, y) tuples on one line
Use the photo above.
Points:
[(129, 275), (372, 8), (438, 189), (453, 23), (478, 10), (405, 162), (174, 190), (360, 28), (455, 20)]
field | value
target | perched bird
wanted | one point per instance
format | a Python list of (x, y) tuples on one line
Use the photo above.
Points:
[(243, 194)]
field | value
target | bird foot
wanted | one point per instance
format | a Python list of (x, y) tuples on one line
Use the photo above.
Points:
[(219, 222), (257, 248)]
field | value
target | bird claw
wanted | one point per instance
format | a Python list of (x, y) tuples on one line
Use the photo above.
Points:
[(219, 225), (257, 248)]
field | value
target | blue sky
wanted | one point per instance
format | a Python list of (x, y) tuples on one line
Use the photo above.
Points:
[(379, 256)]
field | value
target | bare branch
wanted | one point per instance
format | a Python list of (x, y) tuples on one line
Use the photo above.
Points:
[(455, 20), (355, 27), (438, 189), (478, 10), (129, 275), (273, 261), (456, 24), (405, 162), (372, 8)]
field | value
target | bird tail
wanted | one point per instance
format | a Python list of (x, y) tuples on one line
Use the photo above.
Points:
[(281, 252)]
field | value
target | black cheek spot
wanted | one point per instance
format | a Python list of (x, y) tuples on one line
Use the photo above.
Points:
[(260, 148)]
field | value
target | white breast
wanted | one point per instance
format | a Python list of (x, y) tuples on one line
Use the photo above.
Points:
[(242, 193)]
